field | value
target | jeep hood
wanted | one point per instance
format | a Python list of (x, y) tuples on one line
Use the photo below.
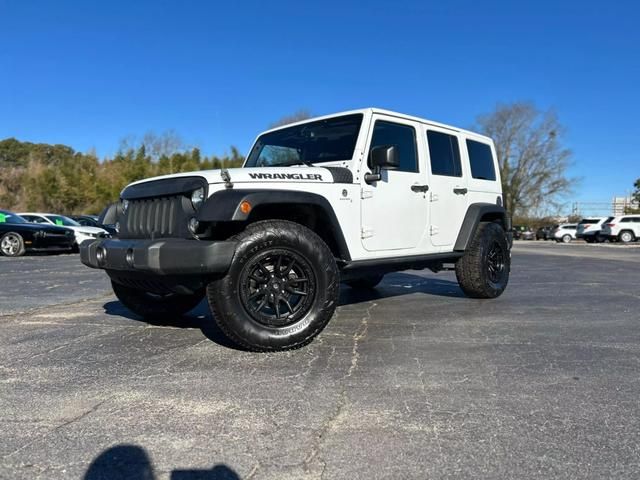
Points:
[(297, 174)]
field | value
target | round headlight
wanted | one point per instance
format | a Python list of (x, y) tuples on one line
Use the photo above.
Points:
[(193, 225), (197, 197)]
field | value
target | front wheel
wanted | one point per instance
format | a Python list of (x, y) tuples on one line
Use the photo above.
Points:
[(150, 305), (566, 238), (281, 290), (12, 245), (483, 271)]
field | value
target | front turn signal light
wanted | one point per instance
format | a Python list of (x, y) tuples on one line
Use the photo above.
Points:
[(245, 207)]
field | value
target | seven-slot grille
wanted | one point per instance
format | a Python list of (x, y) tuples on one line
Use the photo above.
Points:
[(155, 217)]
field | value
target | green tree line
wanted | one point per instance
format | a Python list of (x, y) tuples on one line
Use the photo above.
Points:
[(56, 178)]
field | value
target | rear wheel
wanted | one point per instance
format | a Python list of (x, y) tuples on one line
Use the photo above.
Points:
[(281, 289), (12, 244), (483, 271), (626, 236), (151, 305), (364, 283), (566, 238)]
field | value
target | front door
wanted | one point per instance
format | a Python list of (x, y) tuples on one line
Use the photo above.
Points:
[(448, 187), (395, 209)]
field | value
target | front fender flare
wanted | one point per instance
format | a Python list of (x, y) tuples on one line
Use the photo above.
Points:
[(224, 206)]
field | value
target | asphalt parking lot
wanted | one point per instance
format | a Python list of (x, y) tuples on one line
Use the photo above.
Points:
[(410, 381)]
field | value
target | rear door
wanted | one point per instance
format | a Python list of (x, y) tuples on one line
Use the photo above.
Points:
[(448, 187)]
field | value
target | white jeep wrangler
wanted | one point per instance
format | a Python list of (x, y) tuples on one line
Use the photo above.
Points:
[(347, 197)]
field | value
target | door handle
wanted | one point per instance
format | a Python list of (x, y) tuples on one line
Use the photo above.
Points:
[(460, 191), (420, 188)]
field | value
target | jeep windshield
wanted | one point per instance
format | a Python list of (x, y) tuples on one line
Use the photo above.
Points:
[(321, 141)]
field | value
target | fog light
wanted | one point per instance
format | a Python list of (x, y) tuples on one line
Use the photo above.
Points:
[(101, 255), (193, 225), (129, 257)]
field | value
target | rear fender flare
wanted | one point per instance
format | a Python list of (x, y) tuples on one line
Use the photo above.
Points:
[(472, 219)]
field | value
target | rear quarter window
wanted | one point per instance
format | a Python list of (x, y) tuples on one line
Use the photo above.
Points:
[(481, 160)]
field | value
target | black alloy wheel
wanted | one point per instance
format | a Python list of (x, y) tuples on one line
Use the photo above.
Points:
[(496, 263), (277, 287), (281, 289)]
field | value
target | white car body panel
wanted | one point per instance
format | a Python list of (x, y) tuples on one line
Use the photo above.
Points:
[(629, 223), (384, 219), (563, 230)]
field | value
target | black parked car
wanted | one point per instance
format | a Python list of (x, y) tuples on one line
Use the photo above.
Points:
[(522, 232), (17, 236), (544, 233), (92, 221)]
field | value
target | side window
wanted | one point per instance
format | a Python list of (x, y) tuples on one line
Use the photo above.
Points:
[(625, 220), (444, 153), (403, 137), (481, 160)]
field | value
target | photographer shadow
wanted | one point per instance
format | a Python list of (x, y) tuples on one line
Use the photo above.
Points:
[(131, 462)]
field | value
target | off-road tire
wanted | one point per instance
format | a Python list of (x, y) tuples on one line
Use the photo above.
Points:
[(151, 306), (365, 283), (235, 299), (473, 269), (626, 236), (12, 245)]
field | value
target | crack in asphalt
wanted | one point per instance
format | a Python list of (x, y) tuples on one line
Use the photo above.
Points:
[(59, 427), (343, 400)]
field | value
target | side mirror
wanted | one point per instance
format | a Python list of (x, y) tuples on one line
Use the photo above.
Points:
[(383, 157)]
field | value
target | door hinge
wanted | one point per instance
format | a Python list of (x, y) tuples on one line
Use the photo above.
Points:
[(366, 194), (366, 233), (433, 197), (433, 230)]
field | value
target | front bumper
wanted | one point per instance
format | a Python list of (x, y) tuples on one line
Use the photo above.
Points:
[(169, 256)]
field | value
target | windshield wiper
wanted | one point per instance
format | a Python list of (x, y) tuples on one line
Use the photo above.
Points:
[(301, 162)]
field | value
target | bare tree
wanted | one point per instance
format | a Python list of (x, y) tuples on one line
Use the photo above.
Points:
[(533, 161), (298, 116), (167, 143)]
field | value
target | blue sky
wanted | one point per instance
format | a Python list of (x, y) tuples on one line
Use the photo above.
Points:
[(89, 74)]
